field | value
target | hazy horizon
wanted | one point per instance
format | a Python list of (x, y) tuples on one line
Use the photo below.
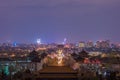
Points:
[(54, 20)]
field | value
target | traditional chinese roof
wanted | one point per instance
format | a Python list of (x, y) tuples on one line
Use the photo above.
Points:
[(83, 54), (33, 54), (57, 72), (34, 57)]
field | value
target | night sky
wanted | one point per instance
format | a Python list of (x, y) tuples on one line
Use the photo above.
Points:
[(54, 20)]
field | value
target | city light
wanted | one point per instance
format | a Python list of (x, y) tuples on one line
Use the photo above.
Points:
[(38, 41), (64, 41)]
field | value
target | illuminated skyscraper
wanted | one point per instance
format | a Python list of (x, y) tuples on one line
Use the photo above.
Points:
[(65, 39), (38, 41), (81, 44)]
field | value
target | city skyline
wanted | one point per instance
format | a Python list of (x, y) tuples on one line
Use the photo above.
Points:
[(54, 20)]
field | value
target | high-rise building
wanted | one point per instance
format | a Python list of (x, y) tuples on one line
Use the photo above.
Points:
[(38, 41), (103, 44), (81, 44), (65, 40), (98, 44), (89, 44)]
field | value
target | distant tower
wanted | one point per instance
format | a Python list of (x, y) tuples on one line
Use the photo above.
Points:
[(38, 41), (14, 44), (65, 39)]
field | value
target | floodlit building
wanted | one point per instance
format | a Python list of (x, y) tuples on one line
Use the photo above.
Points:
[(81, 44)]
